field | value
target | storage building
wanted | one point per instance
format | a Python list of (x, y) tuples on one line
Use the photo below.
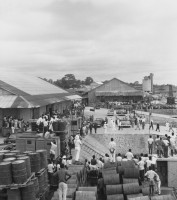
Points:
[(114, 90), (29, 97)]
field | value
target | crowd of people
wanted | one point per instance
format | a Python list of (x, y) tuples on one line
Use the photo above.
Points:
[(14, 123), (164, 146), (144, 162)]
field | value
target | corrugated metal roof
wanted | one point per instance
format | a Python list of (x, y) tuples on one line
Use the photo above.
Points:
[(118, 93), (13, 101), (6, 101), (29, 84)]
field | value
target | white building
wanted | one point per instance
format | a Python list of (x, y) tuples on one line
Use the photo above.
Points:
[(148, 84)]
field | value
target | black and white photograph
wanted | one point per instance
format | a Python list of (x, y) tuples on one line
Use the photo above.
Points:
[(88, 100)]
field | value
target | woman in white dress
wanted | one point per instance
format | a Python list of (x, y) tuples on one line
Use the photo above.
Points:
[(77, 144), (105, 127)]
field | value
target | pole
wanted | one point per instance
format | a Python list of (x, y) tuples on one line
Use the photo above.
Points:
[(149, 120)]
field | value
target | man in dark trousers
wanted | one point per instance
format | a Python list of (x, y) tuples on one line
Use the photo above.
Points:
[(158, 127), (95, 127), (90, 127), (62, 179)]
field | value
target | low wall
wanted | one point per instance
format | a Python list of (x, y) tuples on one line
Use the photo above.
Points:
[(165, 111), (136, 142)]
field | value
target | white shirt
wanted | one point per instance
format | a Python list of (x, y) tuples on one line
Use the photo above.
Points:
[(124, 159), (143, 119), (150, 174), (129, 155), (148, 162), (77, 143), (112, 145), (99, 164), (45, 123), (53, 148), (50, 168), (141, 165), (119, 158), (172, 141), (166, 142), (150, 140)]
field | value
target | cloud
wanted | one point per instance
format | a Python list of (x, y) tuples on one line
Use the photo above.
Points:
[(99, 38)]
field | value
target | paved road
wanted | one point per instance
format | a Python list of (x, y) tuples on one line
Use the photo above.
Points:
[(102, 113)]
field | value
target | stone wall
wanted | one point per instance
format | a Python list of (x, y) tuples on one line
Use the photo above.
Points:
[(136, 142)]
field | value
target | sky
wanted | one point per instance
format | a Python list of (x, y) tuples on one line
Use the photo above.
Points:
[(126, 39)]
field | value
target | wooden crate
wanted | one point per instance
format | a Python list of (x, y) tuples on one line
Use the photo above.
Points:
[(40, 144), (21, 144), (30, 144)]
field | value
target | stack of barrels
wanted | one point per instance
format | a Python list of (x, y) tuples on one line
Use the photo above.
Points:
[(121, 181), (17, 168), (73, 181), (113, 186), (89, 193), (23, 193)]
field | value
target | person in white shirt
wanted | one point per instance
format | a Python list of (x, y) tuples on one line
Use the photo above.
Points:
[(150, 174), (50, 169), (167, 126), (119, 158), (157, 184), (106, 158), (148, 162), (150, 144), (105, 127), (53, 150), (112, 149), (135, 159), (129, 155), (141, 168), (172, 144), (124, 159), (77, 144), (100, 164), (165, 146)]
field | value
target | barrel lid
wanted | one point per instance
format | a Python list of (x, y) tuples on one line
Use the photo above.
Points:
[(16, 162), (10, 154), (41, 150), (5, 163), (33, 153), (15, 151), (4, 151), (9, 159), (28, 152), (22, 157)]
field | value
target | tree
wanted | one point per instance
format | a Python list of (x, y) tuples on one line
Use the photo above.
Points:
[(88, 80)]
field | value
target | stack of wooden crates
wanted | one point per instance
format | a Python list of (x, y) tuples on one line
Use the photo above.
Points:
[(29, 143)]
